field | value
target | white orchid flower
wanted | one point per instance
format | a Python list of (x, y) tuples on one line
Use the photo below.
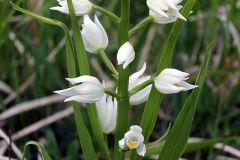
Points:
[(94, 35), (165, 11), (81, 7), (90, 90), (172, 81), (107, 113), (135, 80), (134, 139), (125, 55)]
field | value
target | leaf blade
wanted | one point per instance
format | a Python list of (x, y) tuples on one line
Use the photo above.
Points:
[(178, 135)]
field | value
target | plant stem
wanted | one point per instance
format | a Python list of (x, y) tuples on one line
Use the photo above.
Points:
[(113, 94), (107, 62), (85, 70), (107, 13), (140, 87), (123, 104), (141, 25)]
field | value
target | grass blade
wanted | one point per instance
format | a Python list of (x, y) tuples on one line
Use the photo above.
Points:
[(178, 135), (191, 146), (41, 150)]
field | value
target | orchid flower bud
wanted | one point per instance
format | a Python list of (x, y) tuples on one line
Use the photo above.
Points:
[(89, 90), (172, 81), (125, 54), (81, 7), (165, 11), (134, 139), (94, 35), (107, 113), (135, 80)]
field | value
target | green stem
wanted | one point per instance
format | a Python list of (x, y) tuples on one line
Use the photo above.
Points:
[(85, 70), (123, 104), (140, 87), (107, 13), (113, 94), (107, 62), (141, 25)]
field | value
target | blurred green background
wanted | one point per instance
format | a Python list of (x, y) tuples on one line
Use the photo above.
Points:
[(32, 66)]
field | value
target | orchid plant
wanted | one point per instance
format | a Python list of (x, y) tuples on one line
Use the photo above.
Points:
[(108, 108)]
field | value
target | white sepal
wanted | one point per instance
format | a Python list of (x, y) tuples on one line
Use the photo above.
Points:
[(165, 11), (81, 7), (107, 113), (135, 80), (89, 90), (172, 81), (94, 35), (125, 55)]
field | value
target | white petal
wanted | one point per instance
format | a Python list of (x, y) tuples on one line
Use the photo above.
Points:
[(81, 7), (89, 88), (88, 46), (141, 150), (176, 2), (84, 98), (174, 72), (170, 4), (122, 143), (136, 128), (82, 79), (187, 86), (167, 88), (133, 78), (60, 9), (125, 54), (107, 109), (141, 96), (179, 15), (104, 34), (93, 33), (158, 7), (67, 92), (169, 79)]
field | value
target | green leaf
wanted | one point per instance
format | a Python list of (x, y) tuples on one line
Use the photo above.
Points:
[(41, 150), (84, 136), (84, 69), (202, 143), (197, 145), (155, 98), (52, 145), (73, 149), (178, 135)]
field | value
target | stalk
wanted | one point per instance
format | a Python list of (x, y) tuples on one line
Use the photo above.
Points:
[(123, 104), (85, 70), (107, 62)]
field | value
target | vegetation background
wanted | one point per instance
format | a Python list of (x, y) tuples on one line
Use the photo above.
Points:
[(32, 66)]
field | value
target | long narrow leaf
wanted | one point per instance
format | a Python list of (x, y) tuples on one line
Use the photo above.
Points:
[(191, 146), (178, 135), (41, 150), (84, 136), (85, 70), (155, 98)]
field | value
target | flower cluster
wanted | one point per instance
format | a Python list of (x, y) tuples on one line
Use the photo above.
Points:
[(88, 89)]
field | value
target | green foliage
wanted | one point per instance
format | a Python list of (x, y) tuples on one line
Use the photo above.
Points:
[(179, 133), (41, 150)]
